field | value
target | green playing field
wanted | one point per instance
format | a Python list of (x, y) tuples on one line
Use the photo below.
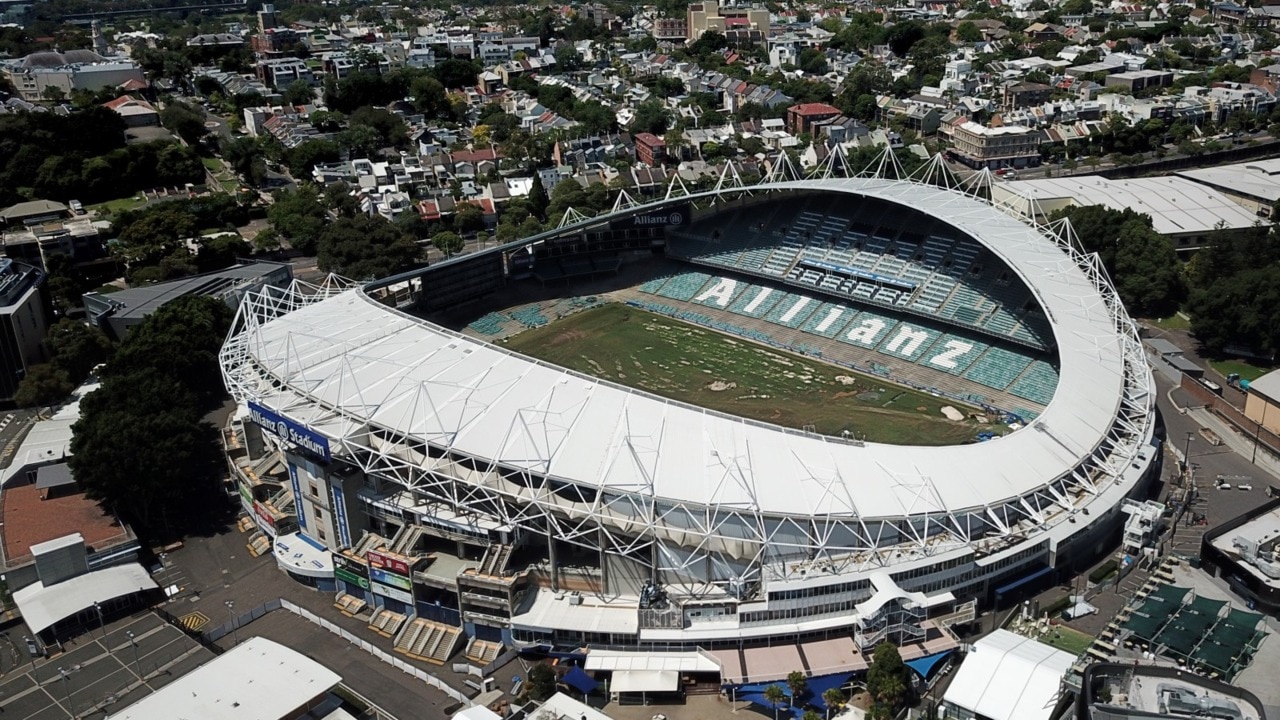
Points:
[(706, 368)]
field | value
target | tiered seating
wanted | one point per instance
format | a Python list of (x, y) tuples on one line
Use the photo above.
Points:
[(912, 340), (684, 286), (1037, 384), (754, 304), (911, 348), (429, 641), (653, 286), (349, 605), (791, 309), (489, 324), (828, 319), (997, 368), (483, 652), (933, 293), (386, 622), (956, 363)]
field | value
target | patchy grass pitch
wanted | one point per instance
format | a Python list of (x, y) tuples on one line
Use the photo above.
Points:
[(702, 367)]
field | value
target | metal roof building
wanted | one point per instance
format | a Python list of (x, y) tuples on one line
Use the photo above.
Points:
[(1180, 209)]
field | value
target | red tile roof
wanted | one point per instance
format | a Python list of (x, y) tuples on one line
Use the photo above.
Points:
[(28, 520), (813, 109)]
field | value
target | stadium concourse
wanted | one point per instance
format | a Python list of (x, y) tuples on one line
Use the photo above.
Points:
[(477, 499)]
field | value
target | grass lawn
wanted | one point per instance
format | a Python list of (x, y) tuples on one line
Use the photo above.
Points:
[(213, 165), (702, 367), (1173, 322), (1247, 371), (114, 206), (1067, 639)]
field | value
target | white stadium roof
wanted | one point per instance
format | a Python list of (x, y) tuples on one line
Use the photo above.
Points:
[(375, 365)]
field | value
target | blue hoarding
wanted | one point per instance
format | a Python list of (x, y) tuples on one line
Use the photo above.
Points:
[(290, 431), (340, 512), (297, 496)]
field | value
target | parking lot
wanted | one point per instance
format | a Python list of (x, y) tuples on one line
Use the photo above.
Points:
[(102, 672), (210, 572)]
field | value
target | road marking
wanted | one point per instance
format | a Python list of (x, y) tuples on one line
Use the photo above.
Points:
[(194, 621)]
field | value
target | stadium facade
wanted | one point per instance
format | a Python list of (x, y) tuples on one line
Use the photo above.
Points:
[(520, 502)]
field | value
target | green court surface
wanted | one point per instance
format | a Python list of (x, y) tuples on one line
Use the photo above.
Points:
[(703, 367)]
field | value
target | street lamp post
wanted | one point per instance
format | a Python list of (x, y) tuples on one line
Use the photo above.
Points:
[(137, 666), (66, 693), (1186, 455), (231, 610)]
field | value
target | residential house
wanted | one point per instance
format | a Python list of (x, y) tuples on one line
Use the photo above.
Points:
[(1025, 94), (982, 146), (800, 118), (650, 149)]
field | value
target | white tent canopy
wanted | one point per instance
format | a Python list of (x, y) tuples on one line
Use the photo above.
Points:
[(1009, 677), (618, 660), (42, 607), (645, 681)]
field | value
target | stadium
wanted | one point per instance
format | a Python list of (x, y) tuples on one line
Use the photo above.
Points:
[(530, 428)]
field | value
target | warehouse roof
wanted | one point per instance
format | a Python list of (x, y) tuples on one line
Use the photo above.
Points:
[(1257, 179), (1177, 206)]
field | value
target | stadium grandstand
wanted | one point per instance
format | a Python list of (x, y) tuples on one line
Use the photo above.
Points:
[(528, 502)]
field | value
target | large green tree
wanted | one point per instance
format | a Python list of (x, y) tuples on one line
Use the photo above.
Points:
[(298, 217), (44, 384), (1142, 264), (141, 446), (886, 682), (365, 248), (77, 347)]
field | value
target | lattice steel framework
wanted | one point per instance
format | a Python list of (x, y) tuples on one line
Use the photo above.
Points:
[(699, 545)]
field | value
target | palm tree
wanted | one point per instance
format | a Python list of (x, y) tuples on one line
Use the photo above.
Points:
[(832, 697), (797, 682), (775, 694)]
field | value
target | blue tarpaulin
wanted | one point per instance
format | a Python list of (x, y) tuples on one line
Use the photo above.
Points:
[(579, 680), (818, 685), (811, 697), (924, 666)]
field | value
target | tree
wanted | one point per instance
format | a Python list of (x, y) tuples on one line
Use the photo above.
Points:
[(886, 681), (44, 384), (832, 697), (365, 248), (448, 243), (775, 695), (651, 117), (797, 682), (810, 715), (538, 199), (141, 447), (542, 682), (222, 250), (77, 348), (1143, 265), (185, 120), (297, 218), (968, 32), (299, 92)]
